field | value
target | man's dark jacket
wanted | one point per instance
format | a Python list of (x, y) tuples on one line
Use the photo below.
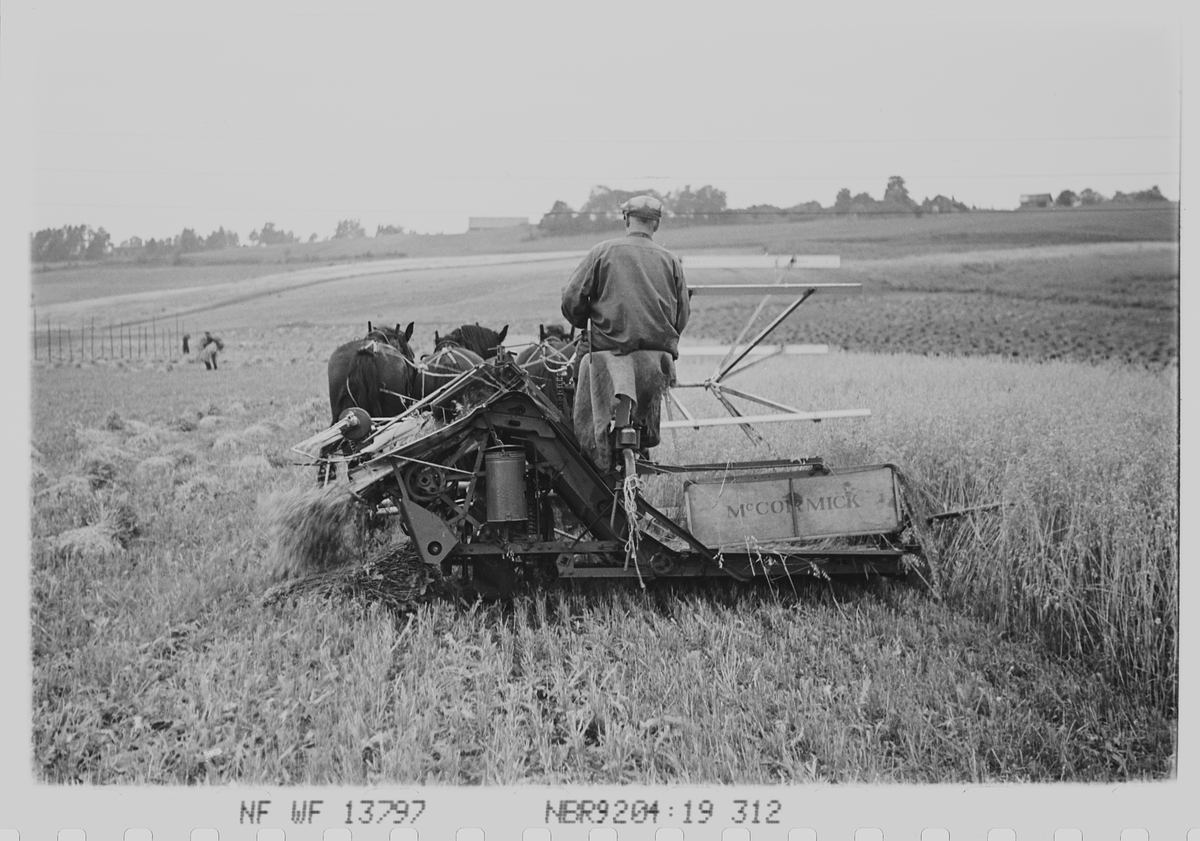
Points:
[(633, 292)]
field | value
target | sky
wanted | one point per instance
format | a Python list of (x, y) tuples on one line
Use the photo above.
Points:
[(146, 118)]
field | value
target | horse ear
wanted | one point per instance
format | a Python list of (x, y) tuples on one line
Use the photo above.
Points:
[(435, 337), (408, 331), (541, 332), (368, 326), (502, 334)]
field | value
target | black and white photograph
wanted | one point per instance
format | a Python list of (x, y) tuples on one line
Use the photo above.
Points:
[(661, 413)]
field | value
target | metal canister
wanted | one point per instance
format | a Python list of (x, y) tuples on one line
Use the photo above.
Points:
[(504, 468)]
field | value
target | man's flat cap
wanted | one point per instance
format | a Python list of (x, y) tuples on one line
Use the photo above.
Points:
[(647, 207)]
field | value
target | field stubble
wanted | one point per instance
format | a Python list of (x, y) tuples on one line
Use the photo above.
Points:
[(154, 660)]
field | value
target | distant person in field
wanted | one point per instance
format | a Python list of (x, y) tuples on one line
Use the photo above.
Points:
[(186, 338), (209, 346), (630, 299)]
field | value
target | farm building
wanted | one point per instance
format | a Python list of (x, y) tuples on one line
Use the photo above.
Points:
[(941, 204), (480, 223), (1037, 200)]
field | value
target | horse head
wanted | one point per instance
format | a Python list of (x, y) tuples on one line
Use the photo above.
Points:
[(451, 339), (393, 336), (548, 365), (479, 340), (555, 335)]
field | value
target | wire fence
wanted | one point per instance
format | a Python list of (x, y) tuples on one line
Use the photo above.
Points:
[(92, 339)]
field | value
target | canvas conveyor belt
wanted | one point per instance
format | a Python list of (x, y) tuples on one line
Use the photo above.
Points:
[(504, 491)]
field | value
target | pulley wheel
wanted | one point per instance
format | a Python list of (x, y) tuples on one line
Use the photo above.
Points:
[(426, 481), (359, 428)]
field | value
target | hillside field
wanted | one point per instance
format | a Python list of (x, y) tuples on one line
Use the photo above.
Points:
[(1034, 368)]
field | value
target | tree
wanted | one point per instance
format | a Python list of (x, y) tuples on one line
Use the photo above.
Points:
[(70, 242), (897, 192), (605, 203), (699, 206), (1152, 194), (349, 229), (189, 242), (270, 236), (602, 210), (1089, 196), (48, 245), (383, 230), (99, 245), (560, 220), (842, 203), (1067, 199), (221, 238), (313, 237)]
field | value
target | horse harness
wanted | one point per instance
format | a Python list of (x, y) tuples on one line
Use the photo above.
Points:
[(381, 343)]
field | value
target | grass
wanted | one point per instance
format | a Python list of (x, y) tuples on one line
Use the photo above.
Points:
[(1051, 656)]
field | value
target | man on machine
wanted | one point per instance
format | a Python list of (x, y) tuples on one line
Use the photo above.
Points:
[(630, 297)]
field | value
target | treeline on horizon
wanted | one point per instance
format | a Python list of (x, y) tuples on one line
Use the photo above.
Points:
[(80, 242), (601, 212), (707, 206)]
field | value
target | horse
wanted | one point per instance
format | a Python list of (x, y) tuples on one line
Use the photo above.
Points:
[(449, 360), (376, 373), (480, 340), (548, 364)]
